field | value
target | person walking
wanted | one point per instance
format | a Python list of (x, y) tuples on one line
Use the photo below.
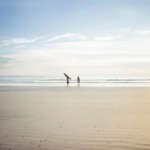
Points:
[(67, 78), (67, 81), (78, 80)]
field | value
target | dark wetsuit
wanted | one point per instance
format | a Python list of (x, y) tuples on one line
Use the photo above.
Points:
[(67, 80)]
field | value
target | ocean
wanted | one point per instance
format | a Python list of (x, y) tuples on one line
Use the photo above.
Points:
[(20, 80)]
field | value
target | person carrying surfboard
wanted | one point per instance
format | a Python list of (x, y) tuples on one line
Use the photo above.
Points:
[(67, 77), (67, 81), (78, 80)]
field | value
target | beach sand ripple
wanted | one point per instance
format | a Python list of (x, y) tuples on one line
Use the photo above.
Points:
[(74, 118)]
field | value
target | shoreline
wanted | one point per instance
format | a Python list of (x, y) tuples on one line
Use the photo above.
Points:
[(71, 85), (28, 88)]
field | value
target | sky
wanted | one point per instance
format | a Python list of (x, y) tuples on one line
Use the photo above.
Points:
[(89, 38)]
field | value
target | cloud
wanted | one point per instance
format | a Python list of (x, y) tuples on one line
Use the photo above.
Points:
[(19, 40), (68, 35), (6, 44), (109, 37), (105, 51), (5, 60), (143, 32), (104, 45), (104, 38), (19, 46)]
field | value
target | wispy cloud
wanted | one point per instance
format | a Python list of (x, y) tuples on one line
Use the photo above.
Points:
[(6, 44), (68, 35), (21, 46), (143, 32), (93, 52), (19, 40), (104, 38), (5, 60)]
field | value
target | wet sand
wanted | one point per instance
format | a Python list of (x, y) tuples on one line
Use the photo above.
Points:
[(60, 118)]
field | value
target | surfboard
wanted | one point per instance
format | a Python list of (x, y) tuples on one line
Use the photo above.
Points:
[(67, 76)]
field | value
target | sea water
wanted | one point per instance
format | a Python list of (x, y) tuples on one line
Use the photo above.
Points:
[(30, 80)]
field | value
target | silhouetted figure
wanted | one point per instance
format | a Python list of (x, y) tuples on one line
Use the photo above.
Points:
[(78, 80), (67, 77), (67, 81)]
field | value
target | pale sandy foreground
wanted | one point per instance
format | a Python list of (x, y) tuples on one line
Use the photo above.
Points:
[(46, 118)]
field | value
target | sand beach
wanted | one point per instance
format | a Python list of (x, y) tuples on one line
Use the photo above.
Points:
[(61, 118)]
